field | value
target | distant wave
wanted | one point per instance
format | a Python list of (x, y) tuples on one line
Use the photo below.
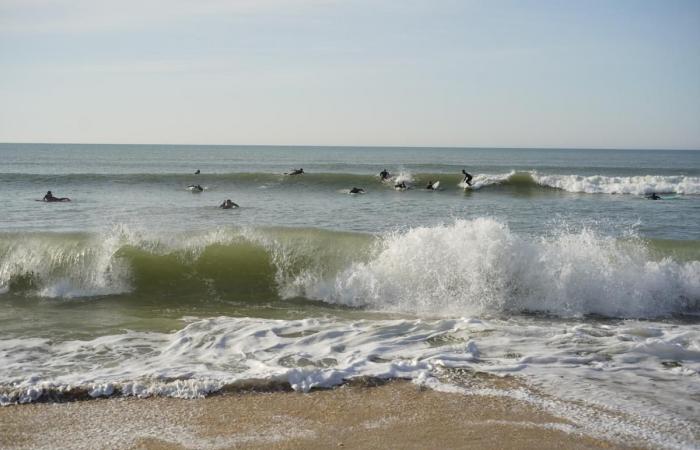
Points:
[(530, 180), (469, 267), (594, 184), (638, 185)]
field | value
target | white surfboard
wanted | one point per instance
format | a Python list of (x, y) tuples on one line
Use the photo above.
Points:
[(436, 185)]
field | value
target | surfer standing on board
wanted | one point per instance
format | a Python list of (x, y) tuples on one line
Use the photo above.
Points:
[(467, 178)]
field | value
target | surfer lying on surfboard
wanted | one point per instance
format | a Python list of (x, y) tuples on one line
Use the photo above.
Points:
[(357, 190), (295, 172), (432, 186), (50, 198)]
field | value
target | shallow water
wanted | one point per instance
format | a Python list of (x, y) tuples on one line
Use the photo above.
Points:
[(554, 266)]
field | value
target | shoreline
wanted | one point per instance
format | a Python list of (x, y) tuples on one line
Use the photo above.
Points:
[(364, 414)]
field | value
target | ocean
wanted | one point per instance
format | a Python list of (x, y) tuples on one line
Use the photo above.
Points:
[(553, 267)]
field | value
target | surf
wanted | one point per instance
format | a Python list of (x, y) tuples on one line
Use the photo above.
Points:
[(467, 267)]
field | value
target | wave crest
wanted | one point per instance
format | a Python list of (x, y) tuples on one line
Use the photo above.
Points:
[(468, 267)]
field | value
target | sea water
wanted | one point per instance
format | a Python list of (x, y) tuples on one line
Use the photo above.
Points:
[(554, 267)]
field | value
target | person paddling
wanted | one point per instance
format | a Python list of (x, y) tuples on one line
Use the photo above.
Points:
[(228, 204)]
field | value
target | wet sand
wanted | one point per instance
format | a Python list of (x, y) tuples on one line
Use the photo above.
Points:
[(397, 414)]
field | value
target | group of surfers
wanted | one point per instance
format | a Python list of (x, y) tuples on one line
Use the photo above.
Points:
[(384, 175)]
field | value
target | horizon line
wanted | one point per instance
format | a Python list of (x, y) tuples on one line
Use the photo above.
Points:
[(688, 149)]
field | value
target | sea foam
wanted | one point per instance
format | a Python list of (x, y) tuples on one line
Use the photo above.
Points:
[(480, 266)]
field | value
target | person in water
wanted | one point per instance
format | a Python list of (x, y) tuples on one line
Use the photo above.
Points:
[(50, 198), (430, 185), (401, 185), (467, 178), (296, 172), (384, 175), (356, 190), (196, 187), (653, 196), (228, 204), (197, 172)]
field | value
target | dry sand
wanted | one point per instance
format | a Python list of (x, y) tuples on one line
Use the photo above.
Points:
[(397, 414)]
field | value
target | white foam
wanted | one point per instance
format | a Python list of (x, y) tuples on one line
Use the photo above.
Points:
[(586, 362), (638, 185), (481, 267), (404, 176)]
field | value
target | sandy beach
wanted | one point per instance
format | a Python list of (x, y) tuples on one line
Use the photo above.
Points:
[(397, 414)]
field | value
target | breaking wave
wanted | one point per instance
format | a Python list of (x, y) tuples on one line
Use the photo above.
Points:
[(468, 267), (595, 184)]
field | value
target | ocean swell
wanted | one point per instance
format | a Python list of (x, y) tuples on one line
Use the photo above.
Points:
[(576, 183)]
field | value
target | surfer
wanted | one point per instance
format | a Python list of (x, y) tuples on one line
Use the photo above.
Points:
[(384, 175), (197, 172), (653, 196), (467, 178), (50, 198), (295, 172), (357, 191), (195, 188), (430, 185), (228, 204), (401, 185)]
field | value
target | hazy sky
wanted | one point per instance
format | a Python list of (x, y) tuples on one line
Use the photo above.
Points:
[(594, 73)]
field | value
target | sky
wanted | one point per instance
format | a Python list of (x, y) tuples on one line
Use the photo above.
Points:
[(590, 74)]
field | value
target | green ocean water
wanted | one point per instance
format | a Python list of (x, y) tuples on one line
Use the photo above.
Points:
[(554, 265)]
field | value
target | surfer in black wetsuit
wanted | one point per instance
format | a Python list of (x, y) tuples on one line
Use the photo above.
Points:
[(653, 196), (197, 172), (50, 198), (467, 178), (401, 185), (430, 185), (228, 204), (384, 175), (195, 188), (357, 191), (296, 172)]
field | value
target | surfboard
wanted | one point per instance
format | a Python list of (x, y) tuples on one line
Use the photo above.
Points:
[(436, 185)]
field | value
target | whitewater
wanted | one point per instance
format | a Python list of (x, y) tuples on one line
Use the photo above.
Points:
[(553, 267)]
